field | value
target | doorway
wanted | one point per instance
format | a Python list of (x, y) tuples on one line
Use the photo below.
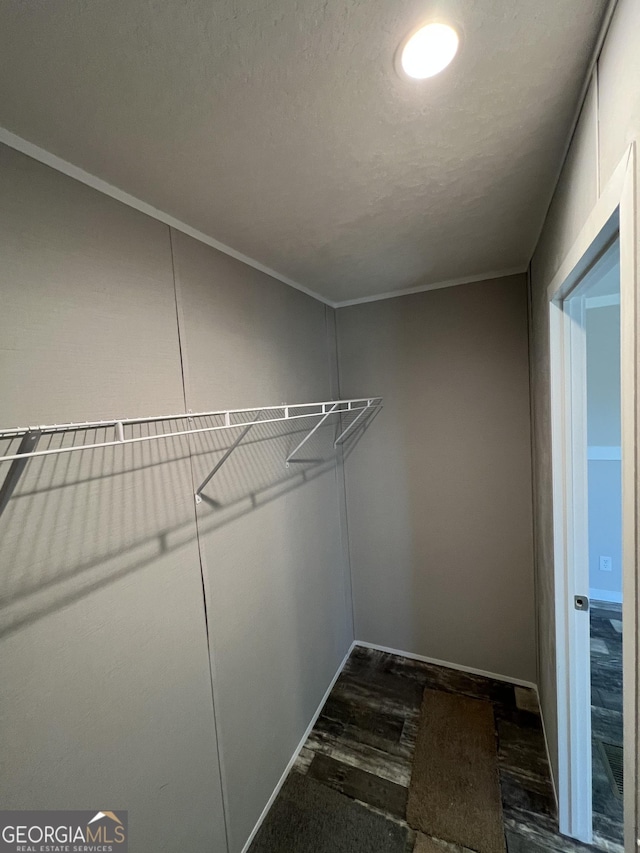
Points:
[(586, 405), (600, 293), (585, 761)]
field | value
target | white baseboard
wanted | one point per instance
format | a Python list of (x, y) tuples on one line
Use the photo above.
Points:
[(517, 681), (605, 595), (297, 751), (447, 664)]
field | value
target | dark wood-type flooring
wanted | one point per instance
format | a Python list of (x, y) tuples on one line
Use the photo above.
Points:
[(363, 742), (606, 714)]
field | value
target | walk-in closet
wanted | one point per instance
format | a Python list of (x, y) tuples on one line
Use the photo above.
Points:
[(294, 480)]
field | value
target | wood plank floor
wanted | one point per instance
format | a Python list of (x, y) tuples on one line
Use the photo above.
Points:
[(363, 742), (606, 714)]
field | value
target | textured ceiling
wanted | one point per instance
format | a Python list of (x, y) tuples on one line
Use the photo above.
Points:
[(280, 128)]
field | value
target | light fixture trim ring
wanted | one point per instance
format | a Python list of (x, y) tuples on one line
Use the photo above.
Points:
[(398, 63)]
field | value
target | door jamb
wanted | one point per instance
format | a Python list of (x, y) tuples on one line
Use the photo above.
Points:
[(619, 196)]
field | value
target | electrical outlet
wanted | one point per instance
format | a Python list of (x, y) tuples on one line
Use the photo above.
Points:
[(605, 564)]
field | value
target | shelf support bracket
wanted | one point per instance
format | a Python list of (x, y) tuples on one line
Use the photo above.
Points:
[(309, 434), (348, 429), (27, 445), (224, 458)]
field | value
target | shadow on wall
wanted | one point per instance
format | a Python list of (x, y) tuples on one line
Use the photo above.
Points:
[(79, 521)]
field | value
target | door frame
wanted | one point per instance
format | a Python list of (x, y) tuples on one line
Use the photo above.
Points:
[(614, 214)]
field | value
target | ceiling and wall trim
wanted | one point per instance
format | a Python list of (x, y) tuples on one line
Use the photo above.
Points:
[(415, 191), (78, 174), (436, 285), (34, 151)]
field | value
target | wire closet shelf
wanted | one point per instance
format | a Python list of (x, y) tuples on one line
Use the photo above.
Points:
[(227, 419)]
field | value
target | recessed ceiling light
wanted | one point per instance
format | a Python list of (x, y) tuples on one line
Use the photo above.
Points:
[(428, 51)]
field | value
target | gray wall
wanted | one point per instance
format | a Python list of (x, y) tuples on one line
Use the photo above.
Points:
[(105, 652), (104, 679), (603, 376), (603, 431), (276, 580), (439, 491), (610, 120), (605, 528)]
